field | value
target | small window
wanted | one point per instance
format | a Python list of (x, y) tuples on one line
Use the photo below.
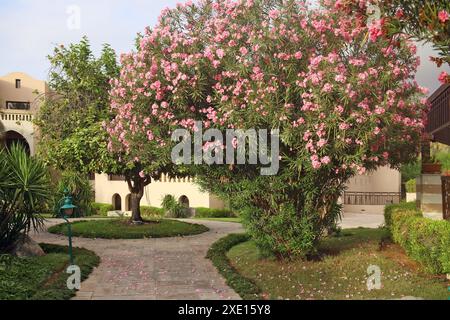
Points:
[(116, 177), (12, 105), (18, 83)]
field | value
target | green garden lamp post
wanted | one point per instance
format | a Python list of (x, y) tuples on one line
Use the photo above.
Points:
[(66, 212)]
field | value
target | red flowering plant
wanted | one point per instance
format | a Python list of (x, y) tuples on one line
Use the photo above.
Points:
[(340, 91)]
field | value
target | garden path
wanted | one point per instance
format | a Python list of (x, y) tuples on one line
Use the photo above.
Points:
[(153, 269)]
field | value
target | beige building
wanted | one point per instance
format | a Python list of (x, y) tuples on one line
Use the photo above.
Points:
[(20, 97), (370, 193), (113, 190)]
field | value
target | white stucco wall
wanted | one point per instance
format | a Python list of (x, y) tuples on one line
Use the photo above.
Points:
[(24, 127), (384, 179), (154, 193)]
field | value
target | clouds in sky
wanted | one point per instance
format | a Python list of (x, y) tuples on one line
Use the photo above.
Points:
[(30, 29)]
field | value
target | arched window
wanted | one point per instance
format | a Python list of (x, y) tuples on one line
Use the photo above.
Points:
[(184, 201), (117, 202), (13, 137), (128, 202)]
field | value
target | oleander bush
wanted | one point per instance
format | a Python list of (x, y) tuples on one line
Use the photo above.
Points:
[(214, 213), (424, 240), (334, 91)]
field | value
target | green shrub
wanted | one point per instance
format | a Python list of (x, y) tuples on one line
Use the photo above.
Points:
[(101, 209), (411, 186), (152, 211), (214, 213), (424, 240), (80, 189), (408, 208), (42, 278), (174, 209), (246, 288), (285, 234)]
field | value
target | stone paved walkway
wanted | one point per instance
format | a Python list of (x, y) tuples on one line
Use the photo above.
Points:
[(153, 269), (165, 269)]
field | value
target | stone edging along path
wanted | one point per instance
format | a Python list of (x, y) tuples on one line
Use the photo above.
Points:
[(153, 269)]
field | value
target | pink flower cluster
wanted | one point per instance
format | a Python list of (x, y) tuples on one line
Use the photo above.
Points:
[(343, 109), (443, 16)]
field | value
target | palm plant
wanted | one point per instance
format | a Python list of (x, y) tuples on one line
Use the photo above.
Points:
[(173, 208), (24, 189)]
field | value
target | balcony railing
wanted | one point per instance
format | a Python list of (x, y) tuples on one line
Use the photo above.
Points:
[(16, 116), (371, 198), (439, 116)]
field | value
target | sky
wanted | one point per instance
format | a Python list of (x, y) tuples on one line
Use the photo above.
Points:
[(30, 29)]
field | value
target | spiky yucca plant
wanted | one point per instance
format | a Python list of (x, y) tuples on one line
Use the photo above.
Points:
[(24, 189)]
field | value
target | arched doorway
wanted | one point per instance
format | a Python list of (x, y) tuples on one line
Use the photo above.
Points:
[(117, 202), (13, 137), (128, 202), (184, 201)]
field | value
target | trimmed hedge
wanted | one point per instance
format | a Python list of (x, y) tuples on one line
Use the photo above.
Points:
[(424, 240), (213, 213), (101, 209), (408, 208), (246, 288)]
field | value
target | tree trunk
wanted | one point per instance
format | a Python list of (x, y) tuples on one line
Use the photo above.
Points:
[(136, 185), (403, 191), (136, 207)]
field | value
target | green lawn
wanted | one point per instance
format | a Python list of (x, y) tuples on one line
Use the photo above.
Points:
[(42, 278), (234, 220), (341, 273), (121, 229)]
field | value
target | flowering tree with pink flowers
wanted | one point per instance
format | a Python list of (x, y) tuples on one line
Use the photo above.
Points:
[(340, 91), (140, 144)]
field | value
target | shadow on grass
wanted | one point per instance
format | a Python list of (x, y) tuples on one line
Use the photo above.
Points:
[(352, 239)]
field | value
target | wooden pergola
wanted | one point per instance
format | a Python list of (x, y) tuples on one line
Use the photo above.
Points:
[(438, 130), (438, 126)]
